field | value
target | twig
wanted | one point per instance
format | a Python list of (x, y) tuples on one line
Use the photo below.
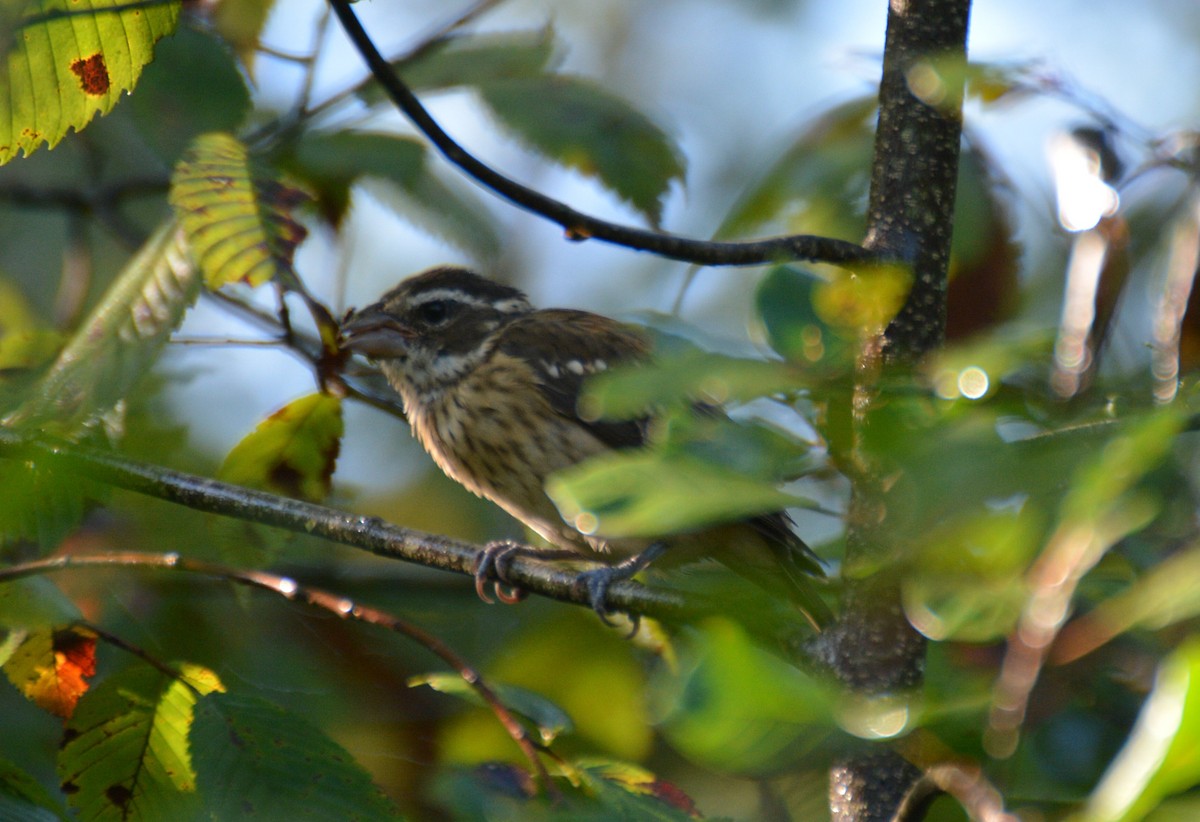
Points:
[(290, 589), (577, 225)]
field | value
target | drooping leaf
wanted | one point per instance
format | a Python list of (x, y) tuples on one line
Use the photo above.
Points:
[(1162, 754), (125, 754), (292, 452), (640, 493), (255, 760), (23, 799), (475, 59), (576, 123), (62, 61), (549, 719), (116, 344), (51, 668), (235, 212), (193, 87), (396, 169)]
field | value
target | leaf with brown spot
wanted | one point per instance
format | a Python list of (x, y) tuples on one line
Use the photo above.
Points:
[(52, 667), (64, 61)]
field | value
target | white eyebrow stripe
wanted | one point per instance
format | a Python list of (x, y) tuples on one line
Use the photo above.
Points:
[(452, 294)]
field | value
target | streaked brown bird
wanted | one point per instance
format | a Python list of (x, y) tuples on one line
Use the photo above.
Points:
[(490, 386)]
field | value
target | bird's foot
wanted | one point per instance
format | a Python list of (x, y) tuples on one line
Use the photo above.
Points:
[(493, 563), (597, 581)]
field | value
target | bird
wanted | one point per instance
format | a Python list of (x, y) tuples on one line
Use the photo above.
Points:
[(491, 385)]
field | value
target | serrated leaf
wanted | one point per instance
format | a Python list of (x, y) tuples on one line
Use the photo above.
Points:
[(235, 212), (292, 452), (475, 59), (641, 493), (119, 340), (65, 60), (403, 179), (1162, 754), (51, 668), (551, 720), (41, 504), (125, 751), (254, 760), (580, 125), (23, 799), (35, 602)]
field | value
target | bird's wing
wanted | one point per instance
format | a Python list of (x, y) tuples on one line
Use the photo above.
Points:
[(582, 345)]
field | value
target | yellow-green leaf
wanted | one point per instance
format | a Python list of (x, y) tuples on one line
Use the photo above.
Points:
[(292, 452), (236, 212), (65, 60), (125, 752)]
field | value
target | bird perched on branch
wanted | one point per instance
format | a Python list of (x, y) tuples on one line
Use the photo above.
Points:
[(490, 386)]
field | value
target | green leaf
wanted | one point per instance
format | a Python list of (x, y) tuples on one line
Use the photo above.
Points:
[(235, 212), (240, 23), (125, 754), (578, 124), (292, 452), (550, 720), (630, 792), (23, 799), (123, 335), (255, 760), (1162, 754), (811, 187), (784, 301), (40, 504), (63, 61), (641, 493), (35, 602), (734, 706), (475, 59), (332, 162), (688, 377), (192, 87)]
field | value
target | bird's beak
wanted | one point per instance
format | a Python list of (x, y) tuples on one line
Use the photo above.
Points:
[(375, 333)]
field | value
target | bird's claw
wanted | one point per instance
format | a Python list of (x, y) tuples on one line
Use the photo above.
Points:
[(597, 581), (492, 566)]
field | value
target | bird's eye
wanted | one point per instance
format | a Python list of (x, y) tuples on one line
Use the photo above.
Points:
[(434, 312)]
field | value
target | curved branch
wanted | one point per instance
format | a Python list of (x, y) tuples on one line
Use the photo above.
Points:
[(362, 532), (333, 603), (577, 225)]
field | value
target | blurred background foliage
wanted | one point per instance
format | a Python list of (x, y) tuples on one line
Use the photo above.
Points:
[(1045, 461)]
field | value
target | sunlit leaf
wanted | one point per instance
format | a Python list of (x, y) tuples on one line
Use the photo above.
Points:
[(1162, 755), (476, 59), (255, 760), (582, 126), (63, 61), (119, 340), (23, 799), (402, 177), (630, 792), (736, 707), (240, 23), (235, 212), (192, 87), (550, 720), (784, 301), (691, 376), (125, 754), (51, 668), (864, 301), (292, 452), (641, 493)]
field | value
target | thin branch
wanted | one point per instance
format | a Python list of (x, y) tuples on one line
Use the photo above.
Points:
[(577, 225), (288, 588), (362, 532)]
